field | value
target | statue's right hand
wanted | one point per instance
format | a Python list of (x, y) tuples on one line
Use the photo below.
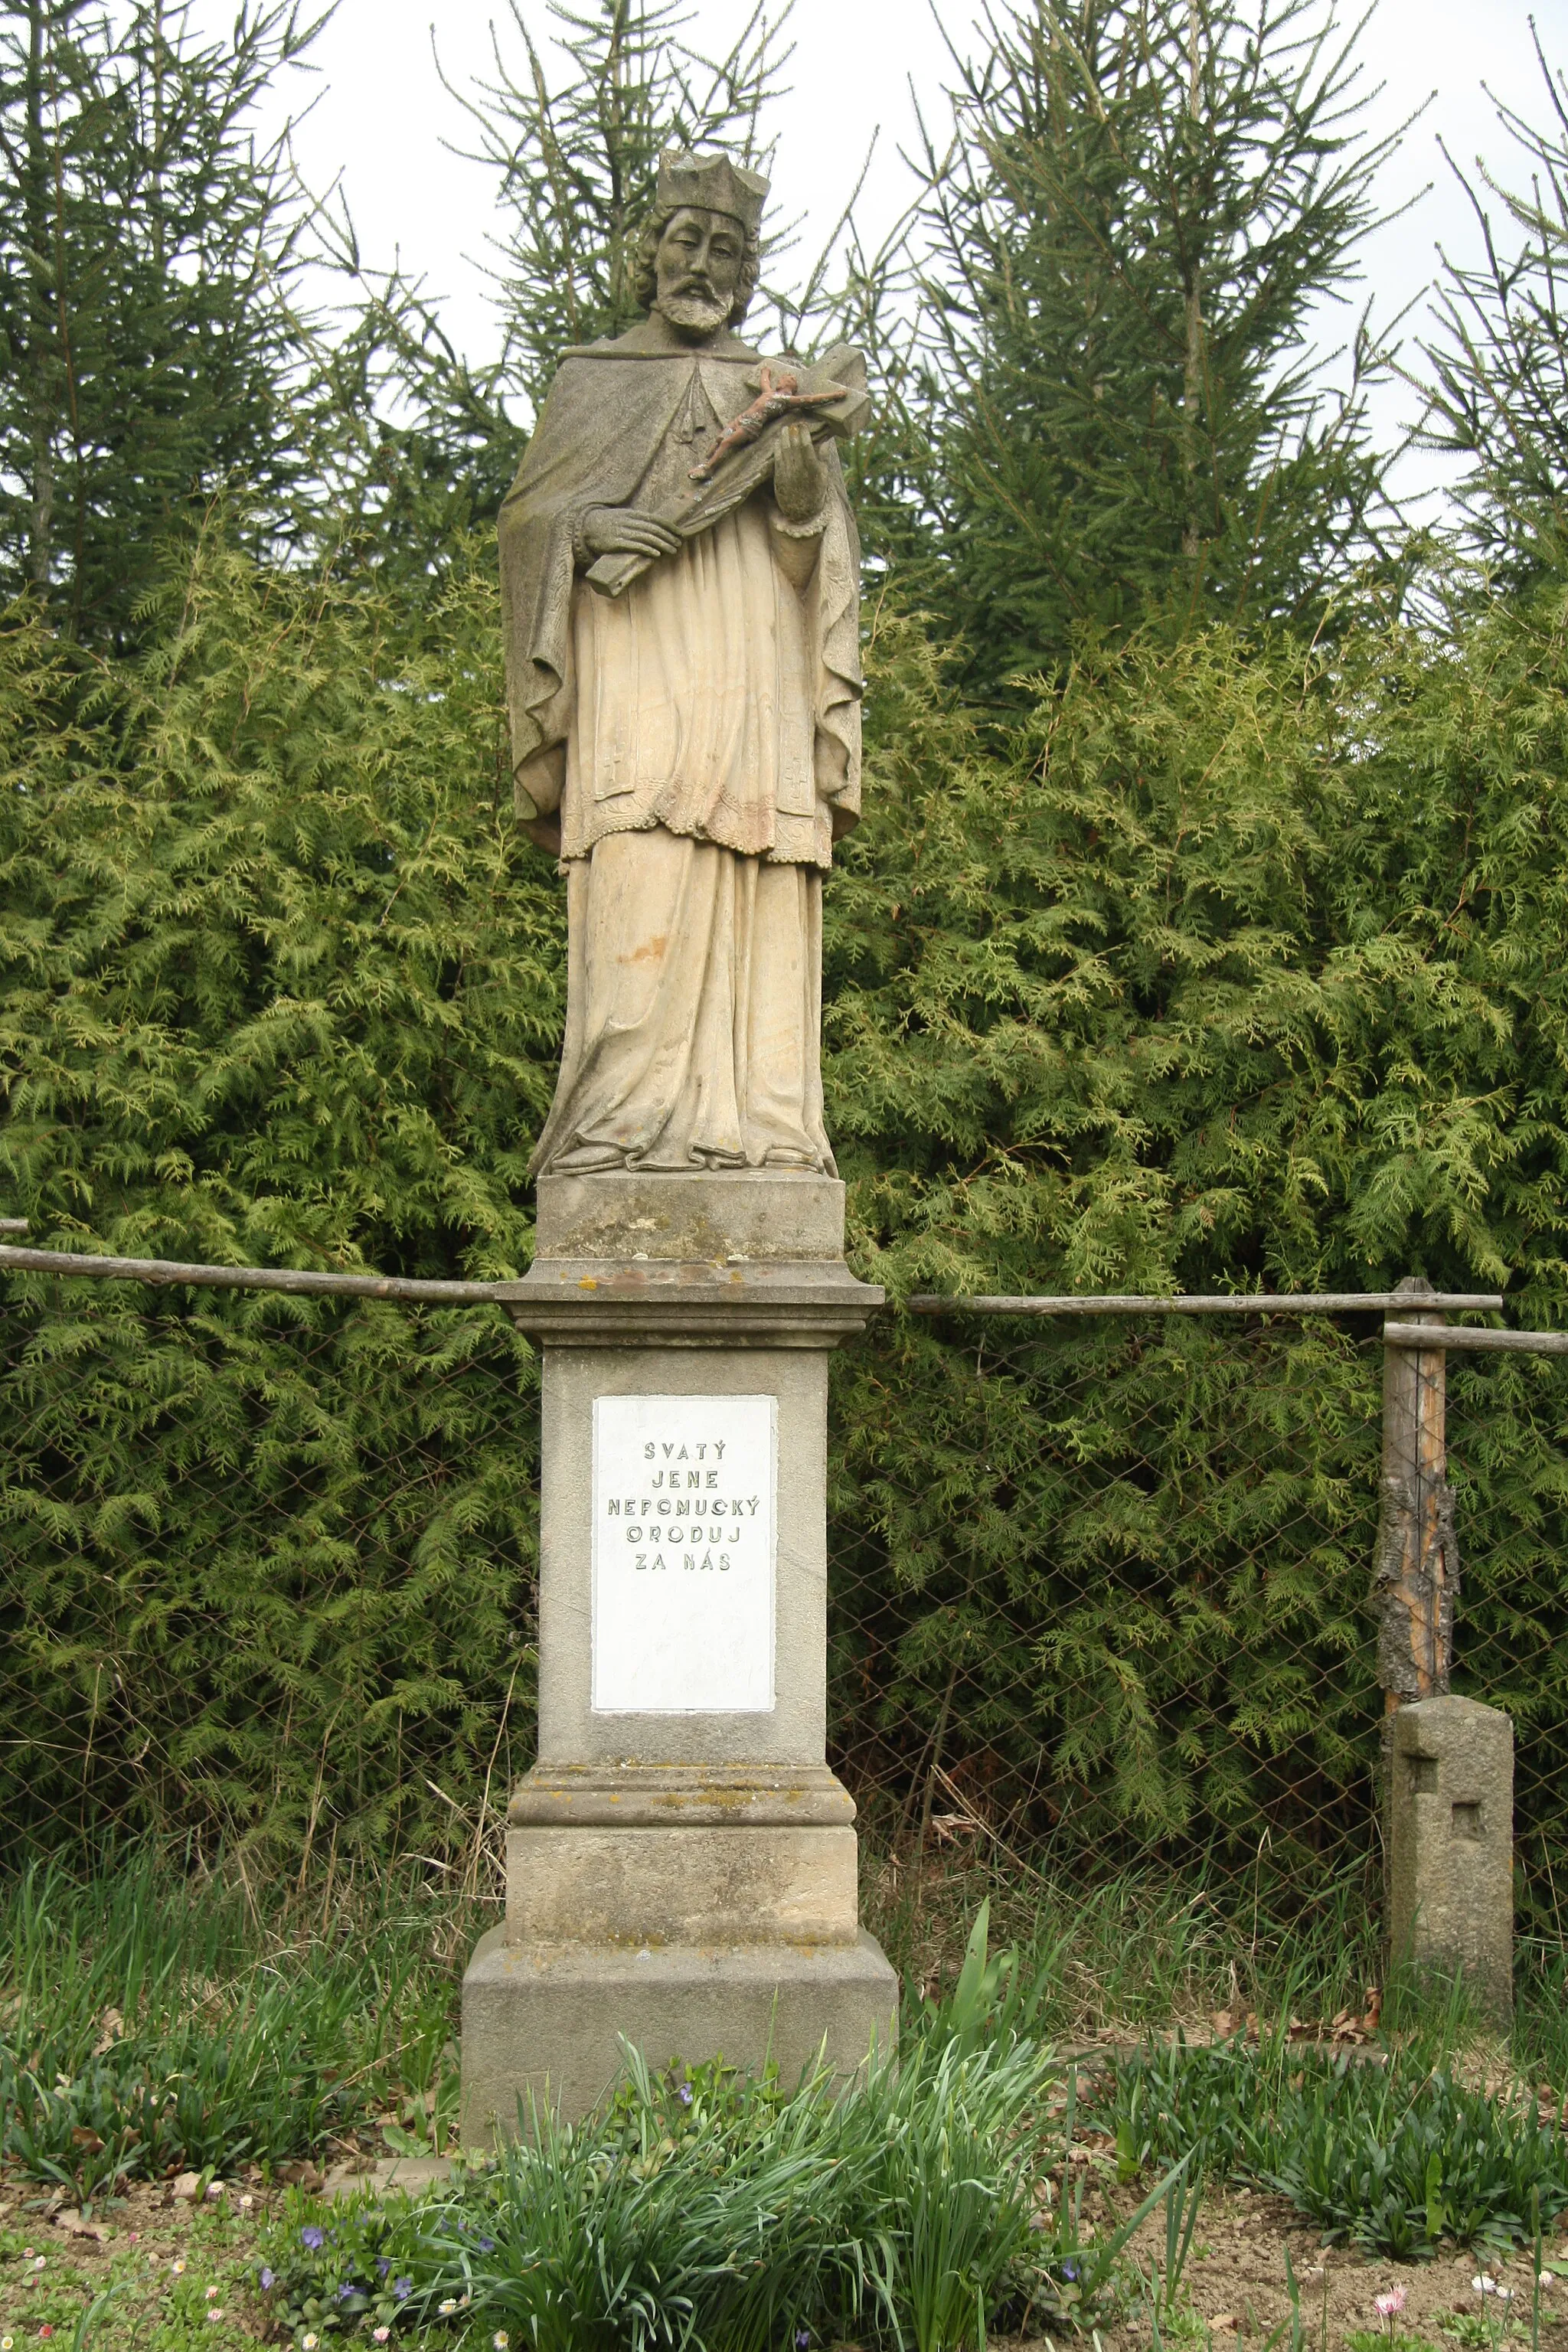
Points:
[(626, 531)]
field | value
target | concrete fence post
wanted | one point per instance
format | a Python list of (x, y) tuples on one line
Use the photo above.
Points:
[(1447, 1763)]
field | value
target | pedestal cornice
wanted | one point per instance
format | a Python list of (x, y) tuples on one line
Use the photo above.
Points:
[(629, 1303), (663, 1796)]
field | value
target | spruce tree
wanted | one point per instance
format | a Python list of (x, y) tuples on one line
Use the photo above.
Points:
[(1144, 201), (420, 443), (577, 159), (147, 254), (1499, 382)]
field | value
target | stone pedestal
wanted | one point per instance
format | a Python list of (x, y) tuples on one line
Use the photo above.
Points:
[(1450, 1845), (680, 1862)]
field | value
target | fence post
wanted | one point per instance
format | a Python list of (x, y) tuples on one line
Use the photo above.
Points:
[(1447, 1763), (1417, 1567)]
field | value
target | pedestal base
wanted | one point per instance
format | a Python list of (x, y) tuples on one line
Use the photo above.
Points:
[(680, 1863), (544, 2023)]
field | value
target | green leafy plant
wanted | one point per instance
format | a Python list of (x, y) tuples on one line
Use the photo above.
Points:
[(1395, 2165), (991, 2001), (330, 2271), (298, 999), (1134, 213), (1393, 2157), (1490, 2323), (1184, 2202), (708, 2207), (1291, 2331), (1173, 2100), (151, 2026), (316, 915), (1079, 2271)]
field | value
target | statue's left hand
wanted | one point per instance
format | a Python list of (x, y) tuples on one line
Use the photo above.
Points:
[(800, 478)]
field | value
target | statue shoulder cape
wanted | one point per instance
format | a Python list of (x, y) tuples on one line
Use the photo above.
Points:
[(733, 353)]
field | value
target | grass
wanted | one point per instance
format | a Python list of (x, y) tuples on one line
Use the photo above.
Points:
[(1393, 2157), (152, 2020), (704, 2208), (708, 2210), (1541, 2011), (133, 2302), (151, 2024), (1141, 1949)]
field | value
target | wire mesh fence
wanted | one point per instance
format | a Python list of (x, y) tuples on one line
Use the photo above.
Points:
[(268, 1568), (1508, 1461), (1099, 1590), (1103, 1598), (1101, 1595)]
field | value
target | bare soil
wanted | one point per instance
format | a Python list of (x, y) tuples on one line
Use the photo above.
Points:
[(1234, 2281)]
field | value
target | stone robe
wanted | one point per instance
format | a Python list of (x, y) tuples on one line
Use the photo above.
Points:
[(692, 750)]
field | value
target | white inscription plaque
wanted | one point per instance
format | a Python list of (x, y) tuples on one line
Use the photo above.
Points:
[(684, 1552)]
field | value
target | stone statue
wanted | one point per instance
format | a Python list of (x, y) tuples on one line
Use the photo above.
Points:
[(681, 584)]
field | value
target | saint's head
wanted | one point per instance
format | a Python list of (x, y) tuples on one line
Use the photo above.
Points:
[(701, 252)]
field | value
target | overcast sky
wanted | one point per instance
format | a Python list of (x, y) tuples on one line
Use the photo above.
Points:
[(382, 116)]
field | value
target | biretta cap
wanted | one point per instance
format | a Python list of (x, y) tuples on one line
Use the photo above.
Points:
[(713, 184)]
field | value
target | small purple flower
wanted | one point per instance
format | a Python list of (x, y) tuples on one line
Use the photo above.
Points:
[(383, 2264), (486, 2245), (684, 2094), (347, 2288), (802, 2338), (1069, 2270), (314, 2238), (268, 2280), (402, 2289)]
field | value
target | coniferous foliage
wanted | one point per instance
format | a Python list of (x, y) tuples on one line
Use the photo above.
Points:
[(147, 252), (577, 160), (419, 444), (280, 981), (280, 852), (1498, 387), (1216, 958), (1144, 202), (1226, 967), (414, 445), (1212, 971), (1222, 963)]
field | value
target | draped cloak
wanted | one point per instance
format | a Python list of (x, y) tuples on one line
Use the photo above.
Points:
[(691, 751)]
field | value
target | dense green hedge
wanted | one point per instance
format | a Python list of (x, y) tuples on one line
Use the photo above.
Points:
[(1228, 966), (281, 984)]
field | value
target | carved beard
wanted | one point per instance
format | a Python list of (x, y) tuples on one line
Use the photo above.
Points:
[(690, 313)]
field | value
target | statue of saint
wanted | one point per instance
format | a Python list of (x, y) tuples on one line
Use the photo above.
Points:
[(686, 722)]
